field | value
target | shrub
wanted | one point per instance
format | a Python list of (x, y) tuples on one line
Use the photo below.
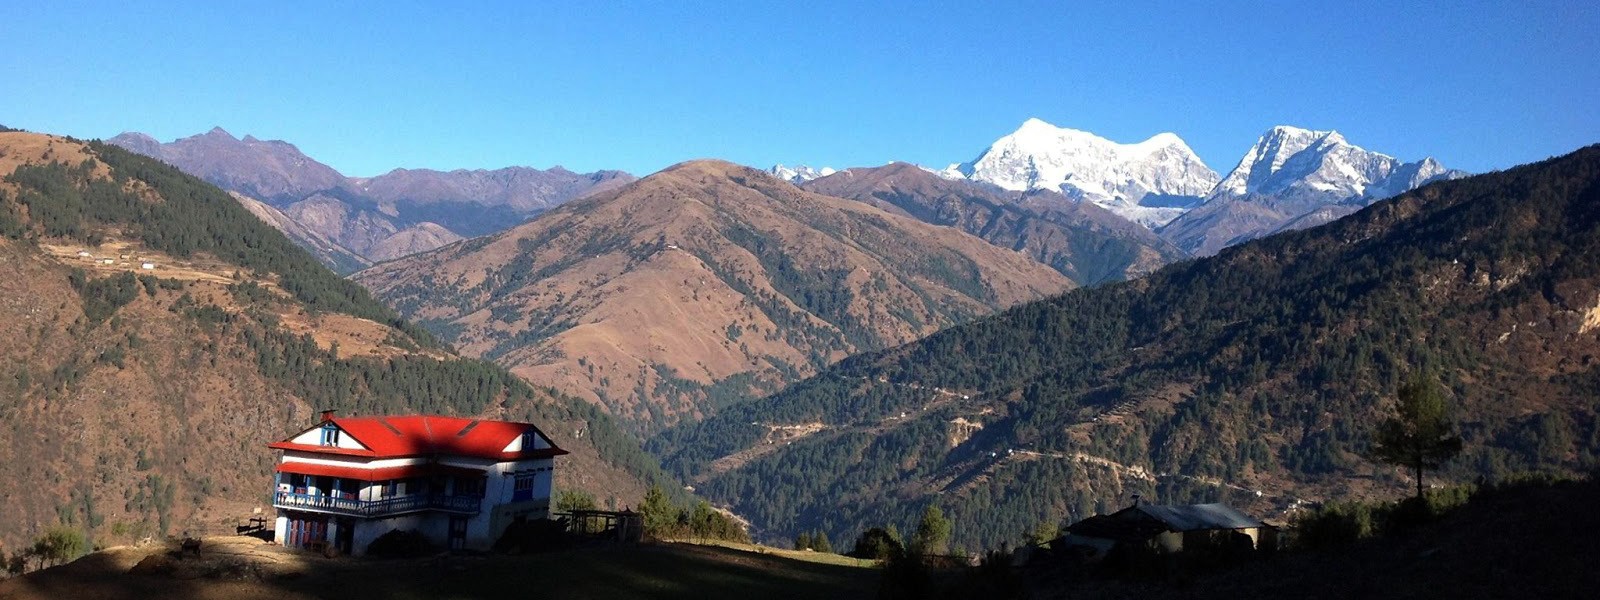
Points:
[(877, 544)]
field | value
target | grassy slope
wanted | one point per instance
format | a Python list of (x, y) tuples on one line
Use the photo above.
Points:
[(659, 571)]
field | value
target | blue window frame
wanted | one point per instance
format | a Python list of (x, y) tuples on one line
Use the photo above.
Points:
[(330, 434), (522, 489)]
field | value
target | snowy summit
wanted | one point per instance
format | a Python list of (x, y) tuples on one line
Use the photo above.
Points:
[(799, 174), (1150, 182), (1292, 162)]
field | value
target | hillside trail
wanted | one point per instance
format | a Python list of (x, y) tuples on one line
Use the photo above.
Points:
[(779, 435)]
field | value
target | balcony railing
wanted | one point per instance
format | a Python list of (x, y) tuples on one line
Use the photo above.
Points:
[(375, 508)]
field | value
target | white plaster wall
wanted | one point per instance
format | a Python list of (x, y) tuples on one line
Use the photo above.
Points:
[(354, 462), (539, 443), (313, 437)]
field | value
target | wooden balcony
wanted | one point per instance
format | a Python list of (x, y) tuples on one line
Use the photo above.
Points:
[(468, 505)]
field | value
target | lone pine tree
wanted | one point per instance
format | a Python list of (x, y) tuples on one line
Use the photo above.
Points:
[(1419, 435)]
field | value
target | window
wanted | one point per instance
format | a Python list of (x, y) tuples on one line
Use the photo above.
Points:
[(330, 434), (523, 488), (528, 438), (389, 488), (470, 486)]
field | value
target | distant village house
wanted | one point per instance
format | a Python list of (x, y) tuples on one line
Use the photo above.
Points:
[(1167, 529), (459, 482)]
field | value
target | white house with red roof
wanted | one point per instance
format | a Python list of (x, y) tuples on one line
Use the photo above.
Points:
[(346, 481)]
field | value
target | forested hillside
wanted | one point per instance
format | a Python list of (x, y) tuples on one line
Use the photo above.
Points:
[(159, 336), (1253, 377)]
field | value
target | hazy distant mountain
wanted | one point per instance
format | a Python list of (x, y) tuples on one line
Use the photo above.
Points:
[(504, 196), (1149, 182), (327, 251), (699, 285), (1081, 240), (426, 208), (1294, 178), (421, 237), (274, 172)]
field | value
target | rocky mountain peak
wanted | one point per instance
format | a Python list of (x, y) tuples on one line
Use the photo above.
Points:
[(218, 132)]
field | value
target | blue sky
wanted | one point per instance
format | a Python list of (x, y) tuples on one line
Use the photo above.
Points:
[(366, 87)]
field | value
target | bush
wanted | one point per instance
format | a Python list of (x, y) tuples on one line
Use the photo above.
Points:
[(1334, 524), (877, 544), (571, 500), (1342, 523), (59, 544)]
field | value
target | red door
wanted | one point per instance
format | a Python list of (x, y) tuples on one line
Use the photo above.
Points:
[(304, 531)]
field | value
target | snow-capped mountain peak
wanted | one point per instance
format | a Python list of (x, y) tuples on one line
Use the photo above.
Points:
[(800, 173), (1293, 161), (1087, 167)]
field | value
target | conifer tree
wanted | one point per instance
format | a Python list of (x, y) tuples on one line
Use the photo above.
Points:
[(820, 543), (933, 532), (1419, 435), (657, 511)]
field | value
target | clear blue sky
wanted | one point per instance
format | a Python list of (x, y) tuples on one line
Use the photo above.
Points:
[(366, 87)]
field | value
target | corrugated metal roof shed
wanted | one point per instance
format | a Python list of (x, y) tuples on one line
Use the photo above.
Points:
[(1196, 517)]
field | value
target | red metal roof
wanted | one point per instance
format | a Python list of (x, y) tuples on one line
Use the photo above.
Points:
[(424, 435), (379, 474)]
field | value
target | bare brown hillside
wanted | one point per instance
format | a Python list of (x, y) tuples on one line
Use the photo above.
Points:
[(702, 284), (137, 400)]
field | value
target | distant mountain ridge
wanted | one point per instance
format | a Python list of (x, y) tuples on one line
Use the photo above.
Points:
[(1296, 178), (1291, 178), (699, 285), (1081, 240), (374, 218)]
